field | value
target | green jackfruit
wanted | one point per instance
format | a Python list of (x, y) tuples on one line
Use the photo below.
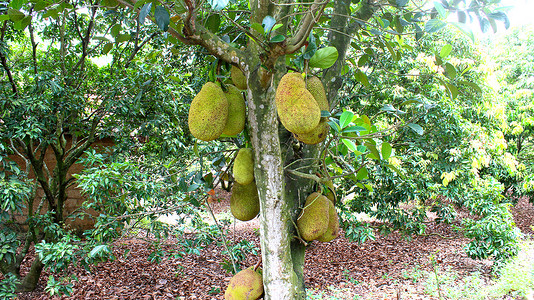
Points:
[(244, 166), (332, 230), (316, 88), (244, 202), (317, 135), (297, 109), (313, 221), (236, 111), (238, 78), (208, 113), (245, 285)]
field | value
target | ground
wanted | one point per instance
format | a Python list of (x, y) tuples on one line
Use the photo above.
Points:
[(389, 267)]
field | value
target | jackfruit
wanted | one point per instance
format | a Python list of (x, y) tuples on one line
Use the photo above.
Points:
[(317, 135), (208, 113), (244, 166), (244, 202), (332, 230), (297, 109), (316, 88), (236, 111), (313, 221), (238, 78), (246, 284)]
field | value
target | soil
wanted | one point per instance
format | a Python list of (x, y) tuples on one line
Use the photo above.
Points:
[(381, 269)]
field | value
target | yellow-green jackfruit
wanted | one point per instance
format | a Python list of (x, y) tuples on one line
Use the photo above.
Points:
[(238, 78), (317, 135), (244, 166), (208, 113), (332, 230), (316, 88), (313, 221), (236, 111), (244, 202), (245, 285), (297, 109)]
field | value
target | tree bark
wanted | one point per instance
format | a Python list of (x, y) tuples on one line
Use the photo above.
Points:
[(29, 283)]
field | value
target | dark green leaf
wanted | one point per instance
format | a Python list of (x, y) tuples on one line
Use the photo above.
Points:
[(401, 3), (115, 30), (278, 38), (354, 129), (258, 28), (213, 22), (122, 38), (325, 114), (143, 13), (107, 48), (15, 15), (362, 78), (363, 60), (450, 70), (362, 174), (162, 17)]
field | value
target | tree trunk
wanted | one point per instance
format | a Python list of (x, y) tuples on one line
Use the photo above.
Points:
[(29, 283), (282, 256)]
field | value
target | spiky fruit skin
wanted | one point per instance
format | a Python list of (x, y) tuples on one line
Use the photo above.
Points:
[(313, 221), (316, 88), (317, 135), (297, 109), (244, 166), (244, 202), (245, 285), (236, 111), (208, 113), (333, 225), (238, 78)]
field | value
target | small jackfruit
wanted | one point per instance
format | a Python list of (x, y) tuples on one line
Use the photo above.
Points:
[(297, 108), (313, 221), (317, 135), (245, 285), (244, 202), (316, 88), (332, 230), (208, 113), (244, 166), (238, 78), (236, 111)]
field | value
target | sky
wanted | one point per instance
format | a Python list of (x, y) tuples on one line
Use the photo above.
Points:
[(522, 12)]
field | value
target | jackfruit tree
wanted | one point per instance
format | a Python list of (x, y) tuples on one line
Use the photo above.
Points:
[(266, 40), (303, 134)]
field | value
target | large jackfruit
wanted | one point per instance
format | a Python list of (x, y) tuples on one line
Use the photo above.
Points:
[(245, 285), (208, 113), (317, 135), (236, 111), (316, 88), (297, 108), (244, 166), (238, 78), (332, 230), (313, 221), (244, 202)]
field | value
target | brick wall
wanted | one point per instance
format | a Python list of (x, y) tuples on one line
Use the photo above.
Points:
[(74, 196)]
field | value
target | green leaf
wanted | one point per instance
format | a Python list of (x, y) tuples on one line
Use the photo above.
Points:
[(466, 29), (16, 4), (101, 38), (115, 30), (20, 25), (277, 39), (362, 174), (354, 129), (362, 78), (143, 13), (392, 52), (258, 28), (97, 250), (374, 152), (453, 90), (396, 170), (472, 85), (363, 60), (450, 71), (440, 9), (345, 119), (162, 17), (122, 38), (325, 114), (213, 22), (417, 128), (445, 51), (434, 25), (15, 15), (324, 58), (401, 3), (276, 27), (107, 48), (350, 144), (386, 150)]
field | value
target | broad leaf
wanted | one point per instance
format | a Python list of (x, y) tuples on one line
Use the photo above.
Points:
[(345, 119), (386, 150), (143, 13), (350, 144), (440, 9), (162, 17), (277, 39), (417, 128), (324, 58), (445, 51), (434, 25)]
